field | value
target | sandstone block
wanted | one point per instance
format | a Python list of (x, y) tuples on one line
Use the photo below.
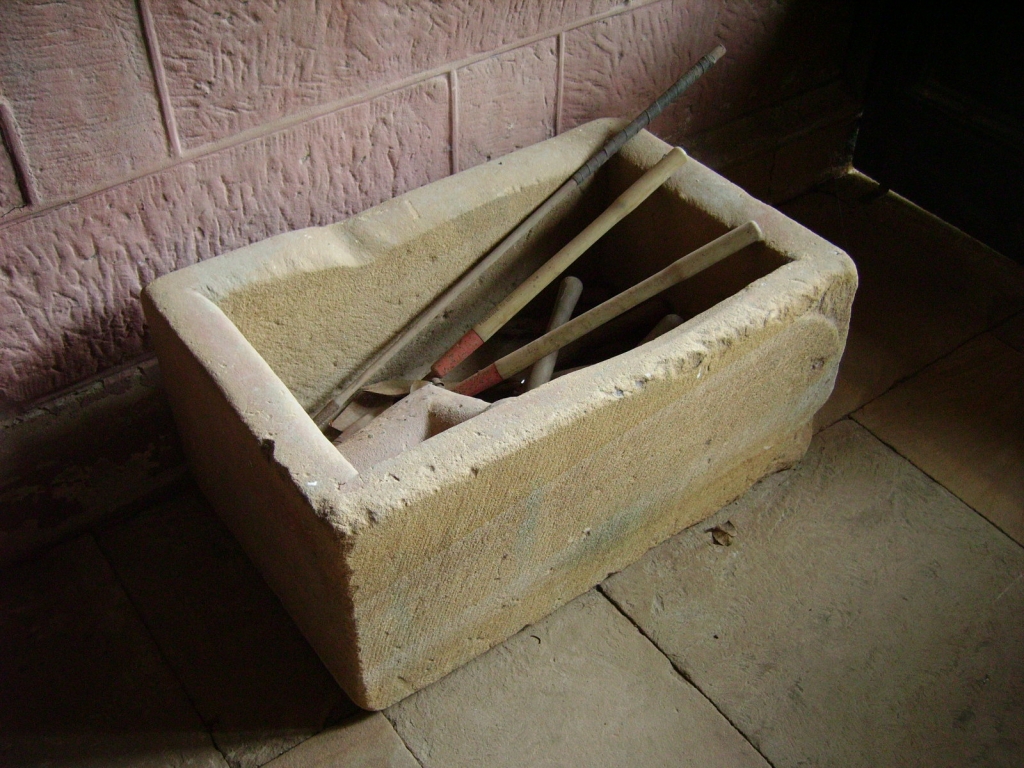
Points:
[(403, 571), (79, 83), (507, 102)]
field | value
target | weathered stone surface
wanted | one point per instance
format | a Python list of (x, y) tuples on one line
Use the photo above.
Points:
[(81, 682), (255, 681), (73, 275), (617, 66), (961, 420), (581, 687), (79, 83), (232, 67), (367, 741), (861, 616), (507, 102), (429, 558), (926, 287)]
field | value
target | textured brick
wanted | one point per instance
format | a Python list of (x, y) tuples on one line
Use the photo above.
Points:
[(507, 102), (617, 66), (71, 277), (231, 67), (79, 83)]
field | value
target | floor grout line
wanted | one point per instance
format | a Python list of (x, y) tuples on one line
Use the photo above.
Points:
[(681, 672), (408, 749), (156, 644), (927, 474)]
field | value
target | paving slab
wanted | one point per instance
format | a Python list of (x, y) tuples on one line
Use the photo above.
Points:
[(81, 681), (925, 287), (582, 687), (861, 615), (252, 676), (365, 741), (961, 420)]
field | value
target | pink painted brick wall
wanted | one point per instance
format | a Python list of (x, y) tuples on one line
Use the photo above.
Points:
[(139, 137)]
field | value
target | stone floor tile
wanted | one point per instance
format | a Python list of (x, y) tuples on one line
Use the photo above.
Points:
[(81, 681), (861, 616), (582, 687), (253, 678), (925, 287), (961, 420), (1012, 332), (365, 741)]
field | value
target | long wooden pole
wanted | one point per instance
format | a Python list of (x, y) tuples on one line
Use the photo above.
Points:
[(624, 204), (387, 353), (680, 270)]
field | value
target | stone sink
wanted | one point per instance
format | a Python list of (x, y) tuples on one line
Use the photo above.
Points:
[(478, 519)]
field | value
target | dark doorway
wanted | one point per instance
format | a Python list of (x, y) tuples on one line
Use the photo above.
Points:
[(944, 114)]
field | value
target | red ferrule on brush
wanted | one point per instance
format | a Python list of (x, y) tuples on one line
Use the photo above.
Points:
[(480, 381), (463, 348)]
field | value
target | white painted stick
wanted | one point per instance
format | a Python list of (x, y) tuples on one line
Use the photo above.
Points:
[(568, 294)]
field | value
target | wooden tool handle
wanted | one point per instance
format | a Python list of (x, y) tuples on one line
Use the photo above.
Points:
[(624, 204), (568, 294), (686, 267)]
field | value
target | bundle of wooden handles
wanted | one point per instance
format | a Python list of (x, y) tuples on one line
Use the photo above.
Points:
[(687, 266), (624, 204), (372, 367)]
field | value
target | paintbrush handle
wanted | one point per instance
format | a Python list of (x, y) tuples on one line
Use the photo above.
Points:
[(680, 270)]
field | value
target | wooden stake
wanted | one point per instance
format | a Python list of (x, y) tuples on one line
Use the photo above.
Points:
[(687, 266), (372, 367), (568, 294)]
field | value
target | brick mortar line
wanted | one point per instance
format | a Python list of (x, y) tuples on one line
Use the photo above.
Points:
[(11, 137), (156, 645), (313, 113), (156, 63), (682, 673), (454, 127), (559, 80)]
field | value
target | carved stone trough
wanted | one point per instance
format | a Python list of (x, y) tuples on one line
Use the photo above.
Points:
[(486, 519)]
